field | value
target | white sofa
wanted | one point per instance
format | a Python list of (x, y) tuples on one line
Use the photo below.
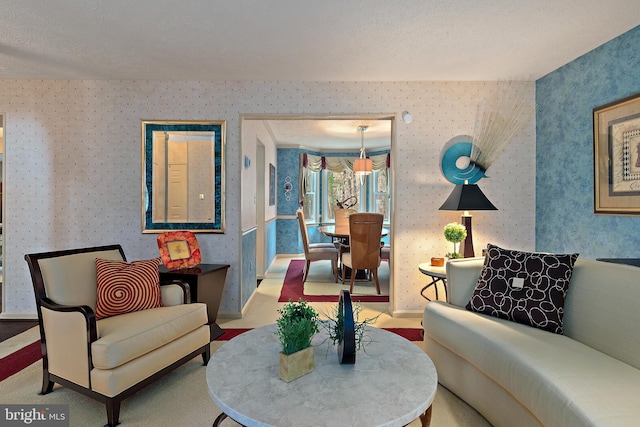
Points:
[(515, 374)]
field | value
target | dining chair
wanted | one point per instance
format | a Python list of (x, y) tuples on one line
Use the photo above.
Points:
[(316, 251), (385, 252), (365, 232), (342, 221), (342, 217)]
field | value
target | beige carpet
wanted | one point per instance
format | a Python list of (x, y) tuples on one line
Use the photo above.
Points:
[(181, 398), (320, 281)]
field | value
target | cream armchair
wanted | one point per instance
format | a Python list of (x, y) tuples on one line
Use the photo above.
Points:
[(112, 358)]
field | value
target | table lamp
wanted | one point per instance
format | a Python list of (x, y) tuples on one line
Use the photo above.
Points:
[(467, 197)]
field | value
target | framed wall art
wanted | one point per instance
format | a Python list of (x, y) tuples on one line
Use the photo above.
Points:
[(183, 176), (272, 185), (179, 249), (616, 147)]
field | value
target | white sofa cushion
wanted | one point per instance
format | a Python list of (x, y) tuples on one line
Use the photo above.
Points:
[(601, 309), (562, 381), (127, 336), (110, 382)]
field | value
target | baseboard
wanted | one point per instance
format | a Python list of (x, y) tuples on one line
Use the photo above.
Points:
[(407, 313), (18, 316), (290, 256), (229, 315)]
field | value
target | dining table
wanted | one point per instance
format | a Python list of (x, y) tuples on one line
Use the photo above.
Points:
[(342, 231), (341, 234)]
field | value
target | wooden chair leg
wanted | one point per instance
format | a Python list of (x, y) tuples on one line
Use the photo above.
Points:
[(334, 265), (113, 412), (375, 277), (306, 271), (353, 279), (47, 384), (344, 271), (206, 355)]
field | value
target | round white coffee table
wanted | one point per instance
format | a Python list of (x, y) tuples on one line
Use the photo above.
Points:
[(392, 383)]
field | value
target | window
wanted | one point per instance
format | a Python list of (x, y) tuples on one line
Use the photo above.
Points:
[(340, 186), (381, 196), (311, 198), (324, 190)]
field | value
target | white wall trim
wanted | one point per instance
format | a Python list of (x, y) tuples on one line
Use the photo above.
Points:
[(408, 313), (19, 316), (250, 230)]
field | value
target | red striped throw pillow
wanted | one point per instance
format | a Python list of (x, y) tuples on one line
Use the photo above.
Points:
[(124, 287)]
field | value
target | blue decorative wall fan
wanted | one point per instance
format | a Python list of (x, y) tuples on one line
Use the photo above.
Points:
[(456, 165)]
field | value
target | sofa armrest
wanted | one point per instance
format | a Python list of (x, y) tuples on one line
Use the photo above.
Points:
[(462, 277), (67, 334), (175, 292)]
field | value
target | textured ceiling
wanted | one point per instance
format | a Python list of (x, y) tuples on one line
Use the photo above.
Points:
[(298, 40), (303, 40)]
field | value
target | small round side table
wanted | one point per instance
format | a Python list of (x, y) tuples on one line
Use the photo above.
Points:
[(437, 274)]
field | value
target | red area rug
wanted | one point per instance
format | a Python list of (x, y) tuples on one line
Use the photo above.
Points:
[(230, 333), (293, 288), (17, 361), (412, 334)]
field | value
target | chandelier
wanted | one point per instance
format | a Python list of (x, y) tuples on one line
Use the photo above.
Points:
[(362, 165)]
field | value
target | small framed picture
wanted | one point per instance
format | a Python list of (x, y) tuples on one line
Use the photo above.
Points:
[(272, 185), (179, 249)]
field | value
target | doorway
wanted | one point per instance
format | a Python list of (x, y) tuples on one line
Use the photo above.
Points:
[(315, 134)]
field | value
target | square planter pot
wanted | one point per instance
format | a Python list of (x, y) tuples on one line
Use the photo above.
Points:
[(295, 365)]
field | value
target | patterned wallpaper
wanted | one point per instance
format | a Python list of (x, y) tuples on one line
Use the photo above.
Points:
[(565, 219), (73, 167)]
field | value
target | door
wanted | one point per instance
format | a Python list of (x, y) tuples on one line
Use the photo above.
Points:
[(177, 193)]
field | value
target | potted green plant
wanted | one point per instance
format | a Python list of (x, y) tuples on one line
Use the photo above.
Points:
[(455, 233), (296, 326)]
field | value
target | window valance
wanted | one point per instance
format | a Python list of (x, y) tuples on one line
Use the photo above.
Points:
[(340, 164), (310, 162)]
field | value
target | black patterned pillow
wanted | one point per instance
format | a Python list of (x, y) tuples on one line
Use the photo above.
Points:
[(525, 287)]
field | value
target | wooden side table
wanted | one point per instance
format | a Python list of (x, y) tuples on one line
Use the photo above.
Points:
[(206, 282), (437, 274)]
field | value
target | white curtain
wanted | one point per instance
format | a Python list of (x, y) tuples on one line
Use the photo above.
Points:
[(334, 164)]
